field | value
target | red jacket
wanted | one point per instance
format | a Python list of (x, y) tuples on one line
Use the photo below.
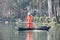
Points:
[(30, 21)]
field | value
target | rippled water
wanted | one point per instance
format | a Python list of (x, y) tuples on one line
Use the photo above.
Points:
[(8, 32)]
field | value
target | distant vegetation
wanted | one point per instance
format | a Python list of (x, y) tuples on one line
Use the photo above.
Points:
[(19, 8), (39, 21)]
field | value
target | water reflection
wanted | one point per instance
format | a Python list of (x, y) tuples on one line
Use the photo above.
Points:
[(20, 35), (8, 32), (29, 35)]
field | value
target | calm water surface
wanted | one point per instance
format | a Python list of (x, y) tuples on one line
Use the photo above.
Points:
[(8, 32)]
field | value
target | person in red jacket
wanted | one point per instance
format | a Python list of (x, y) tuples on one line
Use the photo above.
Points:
[(29, 20)]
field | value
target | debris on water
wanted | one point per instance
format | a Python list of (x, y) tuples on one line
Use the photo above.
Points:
[(6, 22)]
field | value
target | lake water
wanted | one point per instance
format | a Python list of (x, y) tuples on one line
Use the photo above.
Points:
[(8, 32)]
